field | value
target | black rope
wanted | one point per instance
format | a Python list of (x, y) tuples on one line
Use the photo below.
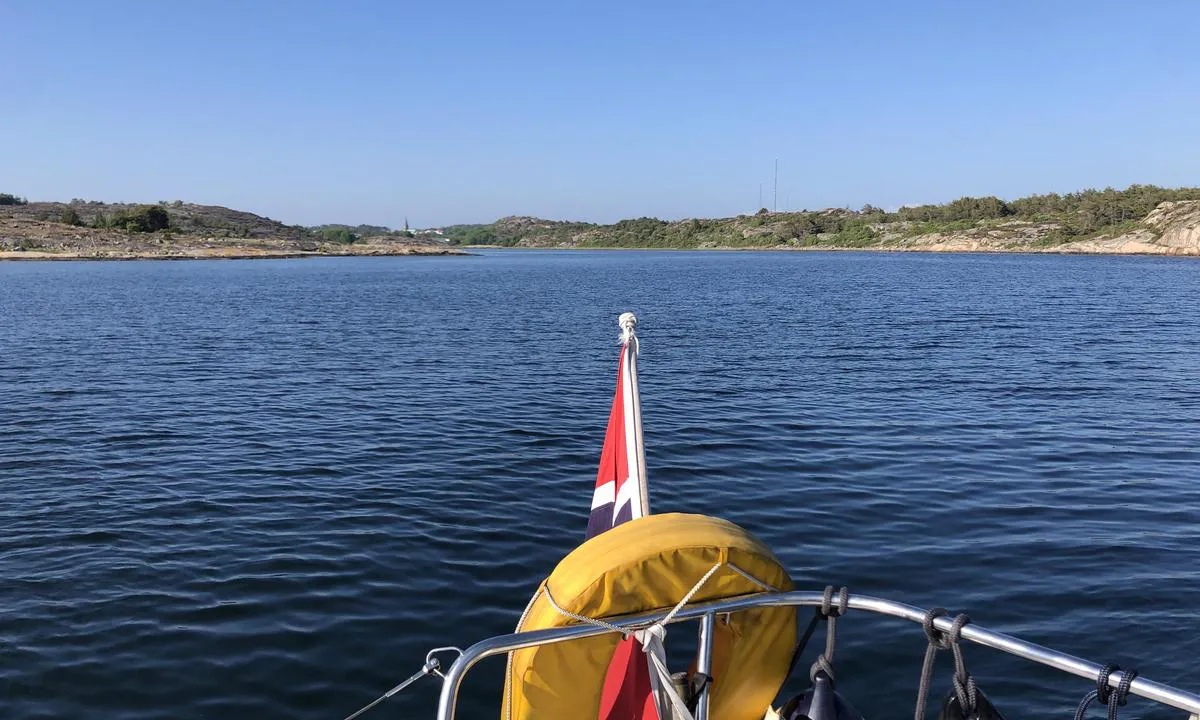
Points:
[(936, 639), (964, 685), (1101, 692), (1122, 693), (827, 610), (808, 633), (1114, 699)]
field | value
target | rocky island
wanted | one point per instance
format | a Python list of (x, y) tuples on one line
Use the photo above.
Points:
[(1142, 219), (82, 230)]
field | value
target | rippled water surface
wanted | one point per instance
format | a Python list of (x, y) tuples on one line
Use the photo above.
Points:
[(264, 489)]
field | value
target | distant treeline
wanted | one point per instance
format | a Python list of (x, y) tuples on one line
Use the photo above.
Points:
[(143, 218), (1074, 215), (1084, 211), (8, 199), (346, 234)]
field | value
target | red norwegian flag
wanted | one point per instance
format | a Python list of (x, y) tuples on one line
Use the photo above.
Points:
[(620, 493), (620, 496), (628, 694)]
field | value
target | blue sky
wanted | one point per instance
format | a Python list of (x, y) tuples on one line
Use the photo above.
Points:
[(374, 110)]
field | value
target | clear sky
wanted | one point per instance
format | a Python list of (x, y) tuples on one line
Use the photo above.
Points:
[(442, 111)]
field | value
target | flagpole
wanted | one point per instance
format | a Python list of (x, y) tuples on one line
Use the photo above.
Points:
[(628, 324)]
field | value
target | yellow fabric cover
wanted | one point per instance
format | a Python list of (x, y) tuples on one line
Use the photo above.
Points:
[(644, 565)]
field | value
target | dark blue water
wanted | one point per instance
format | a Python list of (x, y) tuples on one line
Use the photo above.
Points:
[(264, 489)]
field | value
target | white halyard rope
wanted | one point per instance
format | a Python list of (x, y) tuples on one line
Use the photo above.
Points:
[(688, 596), (628, 324), (652, 640), (583, 618)]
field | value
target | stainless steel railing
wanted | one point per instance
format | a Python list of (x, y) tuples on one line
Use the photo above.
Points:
[(706, 612)]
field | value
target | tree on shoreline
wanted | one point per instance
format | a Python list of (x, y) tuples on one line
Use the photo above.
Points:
[(340, 235), (143, 218)]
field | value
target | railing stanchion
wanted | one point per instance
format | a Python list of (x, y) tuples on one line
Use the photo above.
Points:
[(708, 625)]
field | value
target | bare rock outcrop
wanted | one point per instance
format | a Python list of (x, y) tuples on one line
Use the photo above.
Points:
[(1177, 224), (1172, 228)]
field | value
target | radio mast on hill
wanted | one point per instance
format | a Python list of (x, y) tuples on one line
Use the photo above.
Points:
[(775, 202)]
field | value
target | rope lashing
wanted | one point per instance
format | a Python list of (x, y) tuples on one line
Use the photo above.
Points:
[(1101, 692), (1114, 699), (936, 639), (687, 597), (831, 614), (964, 684), (628, 324), (651, 638), (584, 618), (819, 613)]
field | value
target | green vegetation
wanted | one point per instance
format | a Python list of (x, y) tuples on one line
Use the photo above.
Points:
[(476, 235), (70, 217), (1060, 218), (1081, 214), (147, 218), (340, 235), (988, 223), (143, 218), (359, 231)]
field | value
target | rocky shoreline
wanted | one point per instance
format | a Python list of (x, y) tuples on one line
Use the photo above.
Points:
[(102, 231), (222, 254), (97, 231), (964, 247)]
